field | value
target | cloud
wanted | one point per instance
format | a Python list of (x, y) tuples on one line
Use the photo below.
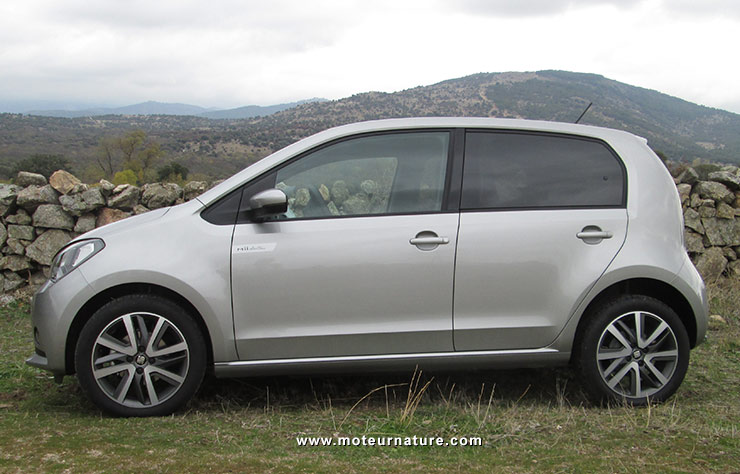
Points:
[(532, 8), (702, 8)]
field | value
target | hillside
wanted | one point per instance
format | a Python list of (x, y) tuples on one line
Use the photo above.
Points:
[(680, 129)]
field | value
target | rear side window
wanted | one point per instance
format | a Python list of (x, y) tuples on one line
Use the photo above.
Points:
[(505, 170)]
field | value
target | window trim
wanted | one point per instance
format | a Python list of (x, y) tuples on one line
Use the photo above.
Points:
[(615, 155), (445, 209)]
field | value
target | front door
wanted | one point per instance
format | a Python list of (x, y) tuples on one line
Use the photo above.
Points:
[(361, 264)]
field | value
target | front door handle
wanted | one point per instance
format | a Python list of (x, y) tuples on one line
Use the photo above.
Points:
[(428, 240), (592, 234)]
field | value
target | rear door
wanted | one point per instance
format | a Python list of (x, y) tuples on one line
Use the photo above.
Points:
[(542, 216)]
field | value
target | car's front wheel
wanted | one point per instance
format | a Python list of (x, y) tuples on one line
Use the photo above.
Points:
[(140, 355), (635, 348)]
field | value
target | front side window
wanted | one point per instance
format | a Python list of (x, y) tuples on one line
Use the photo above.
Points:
[(378, 174), (522, 170)]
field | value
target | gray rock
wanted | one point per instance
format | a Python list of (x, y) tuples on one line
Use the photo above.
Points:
[(13, 281), (106, 187), (139, 209), (733, 268), (3, 234), (15, 263), (694, 242), (33, 196), (711, 263), (684, 192), (707, 211), (726, 178), (85, 223), (21, 217), (194, 189), (695, 201), (124, 197), (21, 232), (689, 176), (725, 211), (692, 220), (38, 278), (156, 195), (729, 254), (43, 249), (83, 203), (52, 216), (25, 178), (16, 247), (8, 195), (79, 188), (715, 191), (721, 232)]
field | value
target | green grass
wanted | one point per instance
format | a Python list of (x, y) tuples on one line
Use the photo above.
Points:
[(535, 420)]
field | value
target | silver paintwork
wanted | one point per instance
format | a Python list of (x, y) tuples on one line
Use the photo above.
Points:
[(328, 291)]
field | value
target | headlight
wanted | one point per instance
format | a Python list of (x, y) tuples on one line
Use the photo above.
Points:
[(73, 256)]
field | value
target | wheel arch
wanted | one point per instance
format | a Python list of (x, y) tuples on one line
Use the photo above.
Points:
[(657, 289), (96, 302)]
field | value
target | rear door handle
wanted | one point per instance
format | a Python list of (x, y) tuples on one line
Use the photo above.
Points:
[(592, 234)]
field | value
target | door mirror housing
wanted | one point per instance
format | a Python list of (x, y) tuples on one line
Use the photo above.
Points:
[(268, 203)]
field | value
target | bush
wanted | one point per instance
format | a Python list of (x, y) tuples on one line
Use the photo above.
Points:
[(125, 177)]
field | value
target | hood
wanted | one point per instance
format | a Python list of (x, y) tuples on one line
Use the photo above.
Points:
[(124, 224)]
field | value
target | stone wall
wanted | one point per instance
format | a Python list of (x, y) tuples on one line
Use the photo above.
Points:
[(37, 217)]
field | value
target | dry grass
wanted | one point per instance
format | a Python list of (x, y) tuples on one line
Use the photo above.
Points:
[(530, 420)]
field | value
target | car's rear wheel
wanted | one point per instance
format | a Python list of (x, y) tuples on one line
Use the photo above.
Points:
[(140, 355), (635, 348)]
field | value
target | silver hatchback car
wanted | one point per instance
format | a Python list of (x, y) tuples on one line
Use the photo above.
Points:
[(438, 242)]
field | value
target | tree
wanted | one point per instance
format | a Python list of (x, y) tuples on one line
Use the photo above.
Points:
[(134, 151), (173, 172), (42, 164)]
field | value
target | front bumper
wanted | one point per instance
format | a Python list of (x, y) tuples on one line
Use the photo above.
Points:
[(53, 310)]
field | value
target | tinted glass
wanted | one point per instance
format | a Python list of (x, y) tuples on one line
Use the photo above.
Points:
[(517, 170), (380, 174)]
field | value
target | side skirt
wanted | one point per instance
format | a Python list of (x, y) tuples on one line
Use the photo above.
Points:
[(525, 358)]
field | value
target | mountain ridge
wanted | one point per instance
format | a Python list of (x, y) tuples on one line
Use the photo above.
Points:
[(681, 130)]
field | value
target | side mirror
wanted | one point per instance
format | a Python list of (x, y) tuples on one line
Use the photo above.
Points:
[(268, 203)]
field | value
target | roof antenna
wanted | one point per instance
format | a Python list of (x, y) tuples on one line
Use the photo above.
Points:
[(584, 112)]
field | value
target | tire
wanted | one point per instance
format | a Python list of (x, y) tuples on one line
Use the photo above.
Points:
[(618, 362), (153, 377)]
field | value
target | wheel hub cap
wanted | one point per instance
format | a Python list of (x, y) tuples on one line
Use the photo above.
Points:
[(141, 359)]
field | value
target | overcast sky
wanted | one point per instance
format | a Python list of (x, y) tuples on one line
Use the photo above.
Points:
[(229, 53)]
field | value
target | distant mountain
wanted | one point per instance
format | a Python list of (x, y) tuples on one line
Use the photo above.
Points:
[(163, 108), (680, 129), (251, 111), (144, 108), (219, 147)]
